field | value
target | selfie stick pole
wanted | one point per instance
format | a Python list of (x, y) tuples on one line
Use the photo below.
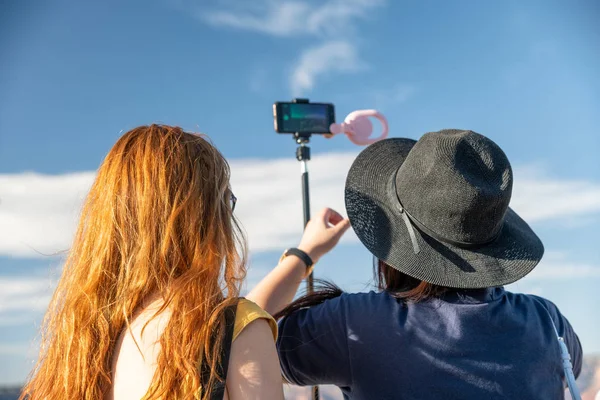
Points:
[(303, 155)]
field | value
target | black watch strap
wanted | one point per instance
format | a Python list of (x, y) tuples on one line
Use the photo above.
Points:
[(301, 255)]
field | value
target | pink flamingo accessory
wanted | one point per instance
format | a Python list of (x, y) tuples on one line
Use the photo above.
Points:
[(359, 128)]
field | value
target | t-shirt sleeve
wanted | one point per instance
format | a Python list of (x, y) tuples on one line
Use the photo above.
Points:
[(313, 345), (566, 331), (247, 312)]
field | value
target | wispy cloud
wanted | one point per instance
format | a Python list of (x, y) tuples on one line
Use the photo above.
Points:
[(24, 293), (327, 58), (275, 18), (38, 212), (291, 18), (540, 197), (17, 349), (24, 299), (333, 21), (557, 265)]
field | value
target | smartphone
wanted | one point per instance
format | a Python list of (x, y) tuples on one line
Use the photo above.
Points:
[(303, 117)]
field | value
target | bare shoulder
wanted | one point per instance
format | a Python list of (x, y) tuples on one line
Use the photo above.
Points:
[(143, 335), (136, 352), (254, 371)]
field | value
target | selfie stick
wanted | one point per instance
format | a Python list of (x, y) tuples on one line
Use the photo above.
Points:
[(303, 155)]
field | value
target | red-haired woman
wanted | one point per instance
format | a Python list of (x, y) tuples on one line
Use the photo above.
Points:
[(147, 305)]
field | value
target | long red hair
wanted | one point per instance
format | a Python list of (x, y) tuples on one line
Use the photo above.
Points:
[(157, 220)]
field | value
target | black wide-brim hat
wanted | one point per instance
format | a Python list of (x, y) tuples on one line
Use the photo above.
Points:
[(437, 210)]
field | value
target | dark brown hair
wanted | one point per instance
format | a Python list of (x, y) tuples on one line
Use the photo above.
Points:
[(405, 287), (387, 278)]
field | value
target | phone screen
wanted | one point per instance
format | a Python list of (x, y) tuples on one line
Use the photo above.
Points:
[(303, 117)]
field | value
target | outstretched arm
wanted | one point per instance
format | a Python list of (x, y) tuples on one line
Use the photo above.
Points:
[(278, 288)]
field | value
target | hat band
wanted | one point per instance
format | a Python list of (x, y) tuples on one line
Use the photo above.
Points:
[(410, 220)]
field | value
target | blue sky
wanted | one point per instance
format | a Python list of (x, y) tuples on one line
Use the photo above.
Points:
[(77, 74)]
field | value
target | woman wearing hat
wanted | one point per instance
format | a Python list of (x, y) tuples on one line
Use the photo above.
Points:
[(435, 216)]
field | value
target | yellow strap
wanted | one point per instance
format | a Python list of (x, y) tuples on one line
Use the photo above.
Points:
[(247, 311)]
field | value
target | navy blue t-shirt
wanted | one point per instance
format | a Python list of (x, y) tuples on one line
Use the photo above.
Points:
[(476, 344)]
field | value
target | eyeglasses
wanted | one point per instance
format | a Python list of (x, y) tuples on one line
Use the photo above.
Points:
[(232, 202)]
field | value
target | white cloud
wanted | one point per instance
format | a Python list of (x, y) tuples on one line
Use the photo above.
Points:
[(270, 199), (547, 270), (327, 58), (275, 18), (23, 300), (38, 212), (557, 265), (538, 197), (15, 349), (19, 294), (291, 18), (22, 318), (333, 20)]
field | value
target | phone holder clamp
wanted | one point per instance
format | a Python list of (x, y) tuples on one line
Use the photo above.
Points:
[(303, 151)]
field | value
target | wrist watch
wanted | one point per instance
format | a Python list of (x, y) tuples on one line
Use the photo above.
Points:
[(293, 251)]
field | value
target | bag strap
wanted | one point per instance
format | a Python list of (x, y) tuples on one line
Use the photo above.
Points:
[(218, 390), (565, 357)]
